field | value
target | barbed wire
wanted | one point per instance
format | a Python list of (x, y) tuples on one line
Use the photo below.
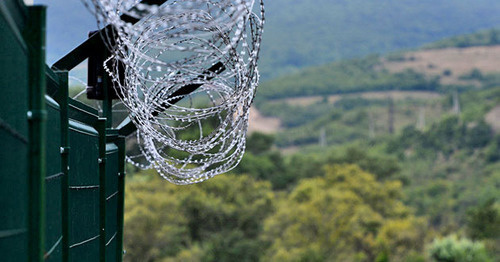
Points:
[(187, 72)]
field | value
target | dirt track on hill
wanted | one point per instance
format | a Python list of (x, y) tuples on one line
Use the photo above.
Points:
[(397, 95), (260, 123), (269, 125), (458, 61)]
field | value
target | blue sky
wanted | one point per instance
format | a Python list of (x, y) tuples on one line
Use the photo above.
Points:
[(68, 21)]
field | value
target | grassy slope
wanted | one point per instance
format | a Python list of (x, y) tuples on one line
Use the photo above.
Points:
[(348, 76), (348, 117)]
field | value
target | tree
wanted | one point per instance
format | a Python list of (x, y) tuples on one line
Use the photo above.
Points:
[(267, 165), (479, 135), (344, 216), (258, 143), (383, 167), (483, 221), (492, 151), (217, 220)]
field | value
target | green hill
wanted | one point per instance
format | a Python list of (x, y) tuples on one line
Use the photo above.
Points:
[(349, 100), (482, 38), (301, 33), (348, 76), (453, 62)]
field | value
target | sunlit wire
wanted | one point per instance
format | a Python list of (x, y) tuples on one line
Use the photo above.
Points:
[(207, 47)]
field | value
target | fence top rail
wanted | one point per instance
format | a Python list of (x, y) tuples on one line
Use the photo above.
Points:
[(83, 128), (82, 52), (82, 113), (51, 102), (77, 110)]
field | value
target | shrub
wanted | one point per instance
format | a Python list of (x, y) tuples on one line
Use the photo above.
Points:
[(452, 249)]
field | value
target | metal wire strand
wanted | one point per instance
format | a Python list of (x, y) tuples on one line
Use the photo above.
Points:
[(187, 73)]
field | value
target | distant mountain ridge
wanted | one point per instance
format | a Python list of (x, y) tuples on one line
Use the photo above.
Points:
[(312, 32), (302, 33), (482, 38), (455, 62)]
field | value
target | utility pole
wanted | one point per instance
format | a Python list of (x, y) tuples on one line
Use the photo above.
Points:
[(322, 137), (421, 119), (456, 103), (391, 115), (371, 125)]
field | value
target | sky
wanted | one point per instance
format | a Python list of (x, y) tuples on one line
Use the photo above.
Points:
[(74, 32)]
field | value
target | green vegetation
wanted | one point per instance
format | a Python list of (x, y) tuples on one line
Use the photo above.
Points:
[(214, 221), (482, 38), (420, 194), (354, 117), (348, 119), (345, 77), (369, 74), (342, 204), (459, 250), (408, 178), (315, 32), (487, 80), (484, 221), (382, 201), (345, 215)]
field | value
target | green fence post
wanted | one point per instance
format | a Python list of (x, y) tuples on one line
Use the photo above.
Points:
[(101, 128), (35, 38), (63, 105), (121, 197)]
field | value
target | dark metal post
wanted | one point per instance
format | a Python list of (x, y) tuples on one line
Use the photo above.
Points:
[(121, 197), (63, 104), (35, 38), (101, 128), (82, 52)]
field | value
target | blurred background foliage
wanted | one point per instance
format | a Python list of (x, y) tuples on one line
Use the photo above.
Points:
[(368, 165), (387, 146), (392, 156)]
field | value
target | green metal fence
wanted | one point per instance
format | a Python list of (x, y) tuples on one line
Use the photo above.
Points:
[(61, 169), (13, 133)]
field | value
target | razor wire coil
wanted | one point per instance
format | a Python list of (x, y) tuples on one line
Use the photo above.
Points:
[(187, 72)]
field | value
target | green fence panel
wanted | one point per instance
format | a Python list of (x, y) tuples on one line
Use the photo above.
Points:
[(115, 175), (76, 188), (53, 180), (13, 133), (83, 191), (112, 173), (84, 184)]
